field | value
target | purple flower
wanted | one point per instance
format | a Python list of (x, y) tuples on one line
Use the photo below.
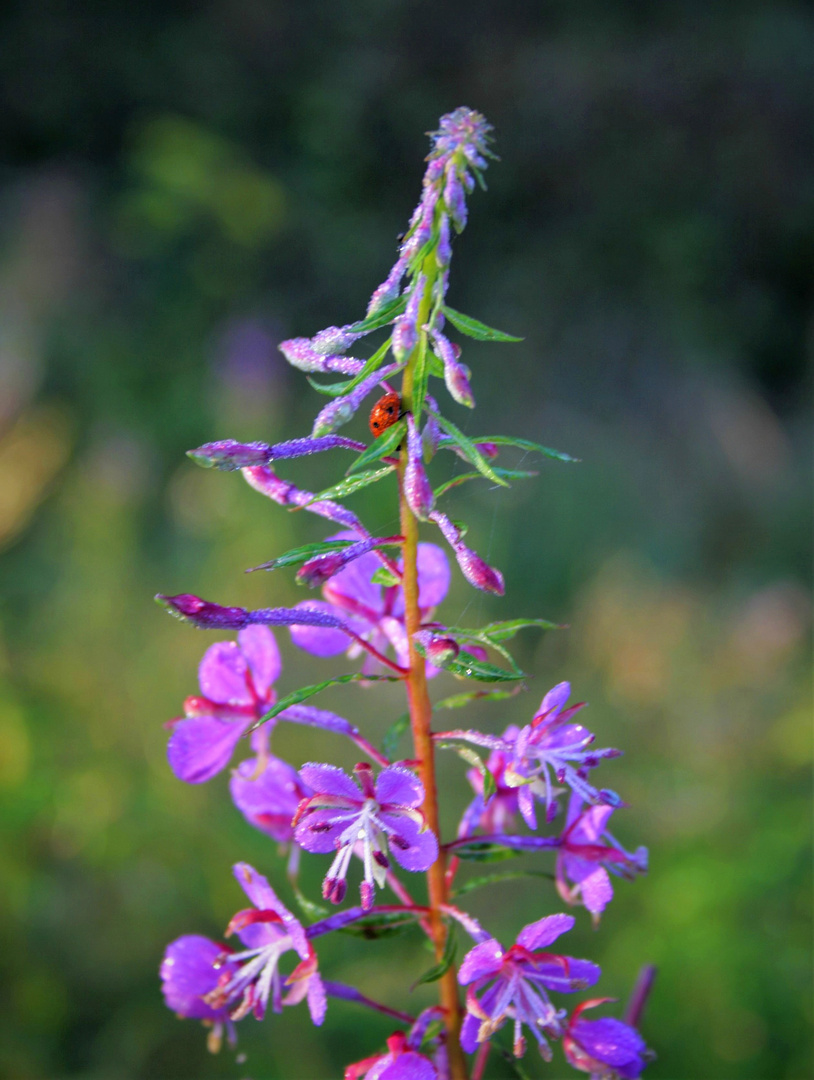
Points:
[(520, 979), (190, 970), (605, 1048), (236, 680), (267, 791), (497, 815), (401, 1062), (472, 566), (549, 746), (341, 816), (417, 488), (269, 931), (374, 612), (586, 853)]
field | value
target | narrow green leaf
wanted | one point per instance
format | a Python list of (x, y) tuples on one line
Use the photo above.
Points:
[(392, 737), (470, 451), (504, 631), (475, 329), (352, 483), (371, 364), (420, 377), (484, 851), (385, 577), (379, 318), (495, 879), (306, 692), (386, 443), (440, 969), (458, 701), (474, 759), (525, 444), (469, 667), (303, 554), (505, 474)]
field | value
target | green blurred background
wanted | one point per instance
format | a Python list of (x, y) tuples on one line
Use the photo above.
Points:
[(182, 185)]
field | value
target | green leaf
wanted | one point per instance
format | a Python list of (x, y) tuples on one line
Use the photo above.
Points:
[(420, 377), (380, 318), (504, 631), (469, 667), (311, 910), (472, 328), (440, 969), (474, 759), (306, 692), (484, 851), (388, 441), (303, 554), (371, 364), (385, 577), (352, 483), (505, 474), (470, 451), (512, 1062), (392, 737), (436, 365), (525, 444), (495, 879), (458, 701)]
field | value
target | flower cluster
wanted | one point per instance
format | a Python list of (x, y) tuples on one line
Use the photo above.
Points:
[(380, 606)]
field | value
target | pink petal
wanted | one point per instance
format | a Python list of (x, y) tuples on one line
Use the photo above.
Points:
[(555, 698), (330, 780), (201, 746), (260, 649), (319, 640), (538, 935), (399, 786), (482, 961), (222, 674), (596, 890)]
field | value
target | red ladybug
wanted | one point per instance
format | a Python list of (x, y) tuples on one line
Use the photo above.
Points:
[(385, 413)]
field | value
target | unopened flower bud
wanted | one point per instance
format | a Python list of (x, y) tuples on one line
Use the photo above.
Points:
[(417, 489)]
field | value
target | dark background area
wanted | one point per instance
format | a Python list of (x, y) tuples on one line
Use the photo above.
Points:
[(184, 185)]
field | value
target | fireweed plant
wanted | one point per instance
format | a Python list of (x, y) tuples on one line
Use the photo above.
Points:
[(534, 787)]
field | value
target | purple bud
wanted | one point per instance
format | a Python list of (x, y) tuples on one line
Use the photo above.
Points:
[(366, 891), (227, 454), (342, 409), (417, 489), (455, 199), (334, 339), (317, 570), (456, 374), (473, 568), (301, 354), (437, 648), (443, 252), (404, 333), (202, 613), (389, 288)]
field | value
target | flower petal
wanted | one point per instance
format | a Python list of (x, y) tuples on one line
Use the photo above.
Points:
[(553, 975), (555, 698), (260, 649), (319, 640), (481, 962), (270, 800), (264, 897), (538, 935), (330, 780), (222, 674), (317, 999), (609, 1041), (319, 832), (399, 786), (201, 746), (408, 1066), (187, 972), (422, 847)]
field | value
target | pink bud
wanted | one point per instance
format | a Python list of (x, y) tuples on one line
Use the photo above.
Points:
[(417, 489)]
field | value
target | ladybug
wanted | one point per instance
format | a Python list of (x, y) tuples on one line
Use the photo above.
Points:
[(385, 413)]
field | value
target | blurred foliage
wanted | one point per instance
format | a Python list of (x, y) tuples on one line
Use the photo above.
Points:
[(184, 185)]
